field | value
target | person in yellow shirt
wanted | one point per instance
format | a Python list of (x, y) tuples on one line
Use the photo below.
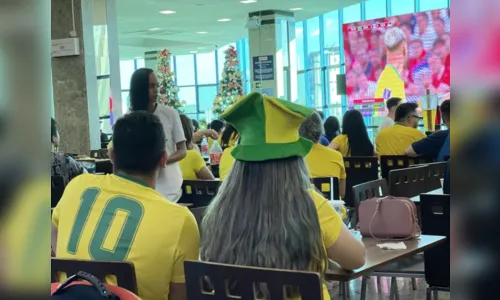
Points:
[(120, 216), (391, 82), (229, 137), (266, 207), (354, 140), (395, 139), (193, 166), (217, 126), (322, 161)]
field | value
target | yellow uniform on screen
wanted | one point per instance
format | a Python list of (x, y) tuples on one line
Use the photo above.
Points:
[(116, 218)]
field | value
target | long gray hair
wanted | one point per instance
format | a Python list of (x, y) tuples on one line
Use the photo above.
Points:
[(263, 216)]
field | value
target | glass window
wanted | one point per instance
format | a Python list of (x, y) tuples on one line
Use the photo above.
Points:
[(301, 82), (299, 44), (125, 101), (335, 111), (433, 4), (127, 68), (205, 68), (206, 96), (402, 7), (101, 49), (375, 9), (331, 29), (313, 35), (184, 66), (316, 90), (188, 95), (103, 88), (140, 63), (332, 84), (352, 13)]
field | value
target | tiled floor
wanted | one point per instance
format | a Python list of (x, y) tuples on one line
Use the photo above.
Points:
[(381, 292)]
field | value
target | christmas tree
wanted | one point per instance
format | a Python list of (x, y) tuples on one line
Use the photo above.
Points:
[(166, 82), (231, 88)]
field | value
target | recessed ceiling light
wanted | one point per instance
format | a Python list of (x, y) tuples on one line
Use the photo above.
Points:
[(154, 29), (248, 1), (296, 8), (193, 52), (202, 32), (224, 20), (167, 12)]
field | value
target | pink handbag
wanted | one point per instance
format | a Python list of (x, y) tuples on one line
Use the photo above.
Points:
[(388, 218)]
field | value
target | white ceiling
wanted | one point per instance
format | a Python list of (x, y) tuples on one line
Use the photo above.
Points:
[(178, 32)]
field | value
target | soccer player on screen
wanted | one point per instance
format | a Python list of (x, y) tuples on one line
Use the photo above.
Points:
[(392, 76)]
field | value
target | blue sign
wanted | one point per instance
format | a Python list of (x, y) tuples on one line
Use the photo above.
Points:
[(263, 68)]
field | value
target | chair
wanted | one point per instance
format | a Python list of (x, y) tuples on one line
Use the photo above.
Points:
[(199, 213), (409, 182), (358, 170), (56, 189), (104, 166), (367, 190), (199, 192), (124, 271), (328, 187), (437, 169), (99, 154), (245, 280), (435, 210), (394, 162)]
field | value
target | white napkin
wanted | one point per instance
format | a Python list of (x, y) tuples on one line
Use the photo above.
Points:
[(392, 246)]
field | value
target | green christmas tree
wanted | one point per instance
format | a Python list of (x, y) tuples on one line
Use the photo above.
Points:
[(168, 89), (230, 87)]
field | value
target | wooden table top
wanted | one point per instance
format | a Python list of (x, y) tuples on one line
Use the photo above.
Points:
[(376, 257), (434, 192)]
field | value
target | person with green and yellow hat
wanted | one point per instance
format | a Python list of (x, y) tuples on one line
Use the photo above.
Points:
[(265, 213)]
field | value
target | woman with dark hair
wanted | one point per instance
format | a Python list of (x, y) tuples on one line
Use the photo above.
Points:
[(332, 128), (229, 137), (354, 140), (265, 213), (144, 97), (193, 166)]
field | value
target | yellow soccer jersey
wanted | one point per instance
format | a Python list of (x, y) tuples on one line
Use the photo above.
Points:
[(116, 218), (390, 79), (395, 139)]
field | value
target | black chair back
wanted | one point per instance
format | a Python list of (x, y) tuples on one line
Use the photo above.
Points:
[(104, 166), (99, 154), (437, 169), (394, 162), (199, 192), (358, 170), (56, 190), (409, 182), (124, 271), (223, 278), (199, 213), (371, 189), (435, 214), (328, 186)]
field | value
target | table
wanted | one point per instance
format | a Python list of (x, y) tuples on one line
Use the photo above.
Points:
[(416, 199), (376, 257)]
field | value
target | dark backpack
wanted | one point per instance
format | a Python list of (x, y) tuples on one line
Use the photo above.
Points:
[(85, 286)]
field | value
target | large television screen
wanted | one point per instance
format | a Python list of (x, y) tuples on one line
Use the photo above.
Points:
[(400, 56)]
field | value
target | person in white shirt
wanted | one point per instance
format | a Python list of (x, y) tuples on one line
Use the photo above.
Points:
[(144, 96), (388, 120)]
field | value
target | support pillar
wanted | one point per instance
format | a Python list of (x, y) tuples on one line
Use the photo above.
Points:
[(273, 57)]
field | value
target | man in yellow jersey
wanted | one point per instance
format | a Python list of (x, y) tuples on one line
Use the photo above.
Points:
[(395, 139), (390, 83), (120, 216)]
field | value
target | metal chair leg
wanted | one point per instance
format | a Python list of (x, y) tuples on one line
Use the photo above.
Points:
[(378, 281), (435, 295), (394, 289), (341, 287), (346, 289), (414, 284), (428, 294), (363, 287)]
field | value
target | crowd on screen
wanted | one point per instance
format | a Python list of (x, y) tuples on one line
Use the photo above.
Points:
[(428, 57), (265, 168)]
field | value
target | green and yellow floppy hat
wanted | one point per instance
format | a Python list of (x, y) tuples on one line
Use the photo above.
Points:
[(269, 128)]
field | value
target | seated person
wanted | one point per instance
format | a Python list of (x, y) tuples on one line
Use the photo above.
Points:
[(218, 127), (436, 143), (229, 137), (388, 120), (322, 161), (354, 139), (120, 216), (395, 139), (267, 199), (226, 162), (193, 166), (63, 165)]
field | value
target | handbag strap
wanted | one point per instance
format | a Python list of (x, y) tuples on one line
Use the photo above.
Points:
[(414, 218), (94, 281)]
